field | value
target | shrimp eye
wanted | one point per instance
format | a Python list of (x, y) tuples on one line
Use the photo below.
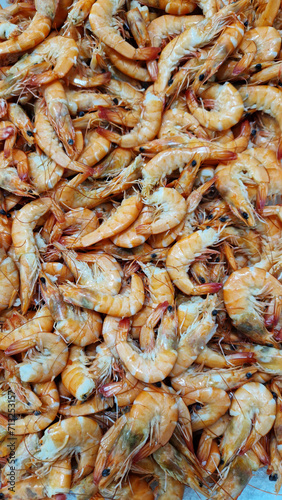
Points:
[(210, 217), (214, 312), (223, 219), (246, 23), (201, 279), (249, 375), (194, 163), (141, 149), (254, 132), (273, 477), (274, 394), (154, 255), (37, 412), (115, 100), (198, 406), (170, 81), (81, 113), (8, 215), (29, 133), (169, 309), (217, 259), (221, 461), (2, 212), (245, 215), (106, 472), (2, 495), (158, 384), (258, 67), (201, 77), (43, 280)]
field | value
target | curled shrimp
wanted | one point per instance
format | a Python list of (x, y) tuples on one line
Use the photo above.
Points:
[(121, 219), (44, 173), (217, 118), (25, 246), (157, 361), (79, 435), (182, 254), (153, 415), (9, 280), (253, 412), (244, 304), (100, 19), (165, 26), (75, 325), (230, 183), (148, 126), (121, 305), (43, 363)]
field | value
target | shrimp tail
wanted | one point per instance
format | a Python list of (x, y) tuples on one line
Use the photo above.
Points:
[(111, 136), (20, 346)]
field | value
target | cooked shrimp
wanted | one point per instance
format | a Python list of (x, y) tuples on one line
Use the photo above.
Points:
[(129, 238), (230, 184), (41, 321), (166, 26), (122, 305), (19, 118), (75, 325), (48, 141), (44, 362), (79, 435), (218, 118), (121, 219), (196, 336), (182, 254), (44, 173), (25, 246), (95, 149), (195, 36), (164, 163), (243, 303), (124, 391), (77, 222), (9, 280), (237, 476), (58, 112), (11, 178), (79, 101), (94, 404), (79, 12), (153, 415), (101, 22), (263, 98), (170, 210), (76, 376), (35, 33), (253, 412), (152, 365), (23, 459)]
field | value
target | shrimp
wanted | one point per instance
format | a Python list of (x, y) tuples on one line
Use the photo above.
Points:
[(128, 68), (148, 126), (170, 210), (44, 362), (230, 184), (153, 415), (264, 98), (78, 222), (122, 305), (165, 162), (77, 326), (212, 359), (224, 379), (182, 254), (19, 118), (36, 32), (96, 147), (75, 375), (196, 36), (79, 12), (79, 101), (197, 335), (101, 22), (44, 173), (48, 141), (23, 459), (156, 363), (41, 321), (42, 418), (58, 113), (177, 466), (121, 219), (94, 404), (237, 475), (219, 118), (11, 178), (208, 452), (244, 306), (166, 26), (225, 45), (25, 246), (9, 280), (98, 272), (129, 238), (80, 435), (253, 411), (124, 391), (175, 120)]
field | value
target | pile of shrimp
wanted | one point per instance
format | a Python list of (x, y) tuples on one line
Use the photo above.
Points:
[(140, 248)]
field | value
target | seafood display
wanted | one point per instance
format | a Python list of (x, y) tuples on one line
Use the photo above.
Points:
[(140, 248)]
